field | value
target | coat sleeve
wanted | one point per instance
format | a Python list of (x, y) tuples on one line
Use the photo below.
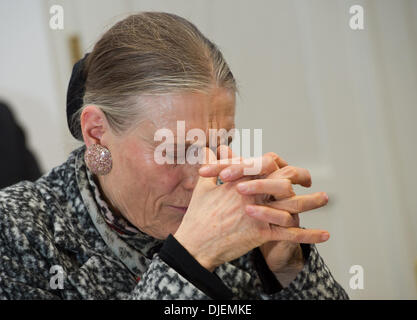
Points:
[(161, 282), (165, 279), (314, 281), (175, 274)]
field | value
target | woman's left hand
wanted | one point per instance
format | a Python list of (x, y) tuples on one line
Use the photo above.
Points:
[(276, 204)]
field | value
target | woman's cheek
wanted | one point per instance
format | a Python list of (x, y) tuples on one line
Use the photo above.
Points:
[(159, 180), (168, 177)]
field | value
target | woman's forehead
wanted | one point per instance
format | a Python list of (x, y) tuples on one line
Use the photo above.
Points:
[(197, 110)]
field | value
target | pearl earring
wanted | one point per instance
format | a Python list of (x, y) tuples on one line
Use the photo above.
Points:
[(98, 159)]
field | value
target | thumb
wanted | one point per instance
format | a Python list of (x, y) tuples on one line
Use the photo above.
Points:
[(207, 156)]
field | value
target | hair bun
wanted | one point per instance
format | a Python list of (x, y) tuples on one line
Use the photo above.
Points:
[(75, 92)]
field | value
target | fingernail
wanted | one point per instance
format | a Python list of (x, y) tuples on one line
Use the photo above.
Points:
[(204, 170), (251, 210), (226, 173), (325, 236), (326, 197), (243, 187)]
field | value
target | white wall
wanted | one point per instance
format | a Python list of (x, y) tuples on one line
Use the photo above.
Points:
[(339, 102), (27, 78)]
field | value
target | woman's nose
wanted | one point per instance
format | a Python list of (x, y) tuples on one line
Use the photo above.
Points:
[(190, 176)]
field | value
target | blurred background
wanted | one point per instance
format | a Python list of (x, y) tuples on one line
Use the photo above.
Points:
[(338, 101)]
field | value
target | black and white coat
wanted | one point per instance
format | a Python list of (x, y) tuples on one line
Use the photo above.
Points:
[(56, 223)]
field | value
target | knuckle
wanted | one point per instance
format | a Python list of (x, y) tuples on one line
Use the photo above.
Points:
[(237, 160), (291, 206), (288, 187), (267, 234), (287, 184), (293, 236), (272, 155), (299, 237), (277, 233), (298, 205), (261, 211), (288, 221), (257, 184), (292, 171), (269, 163)]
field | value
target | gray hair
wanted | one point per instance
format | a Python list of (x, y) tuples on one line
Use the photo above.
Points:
[(149, 53)]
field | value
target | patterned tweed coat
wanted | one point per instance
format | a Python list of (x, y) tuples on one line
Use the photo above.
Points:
[(57, 222)]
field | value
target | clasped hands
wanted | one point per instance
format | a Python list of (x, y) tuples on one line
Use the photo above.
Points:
[(224, 222)]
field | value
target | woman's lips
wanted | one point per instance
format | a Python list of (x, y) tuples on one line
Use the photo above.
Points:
[(180, 209)]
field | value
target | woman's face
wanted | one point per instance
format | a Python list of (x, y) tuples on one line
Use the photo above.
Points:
[(151, 196)]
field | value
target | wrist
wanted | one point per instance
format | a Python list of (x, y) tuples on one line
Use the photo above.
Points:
[(197, 254), (288, 272)]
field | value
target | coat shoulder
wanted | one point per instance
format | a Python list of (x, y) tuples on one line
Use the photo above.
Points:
[(28, 206), (21, 201)]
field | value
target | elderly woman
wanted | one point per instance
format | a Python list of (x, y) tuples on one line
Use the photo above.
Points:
[(112, 223)]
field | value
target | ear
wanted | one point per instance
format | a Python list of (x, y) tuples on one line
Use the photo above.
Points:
[(94, 125)]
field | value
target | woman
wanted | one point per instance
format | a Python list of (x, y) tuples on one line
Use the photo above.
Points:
[(111, 223)]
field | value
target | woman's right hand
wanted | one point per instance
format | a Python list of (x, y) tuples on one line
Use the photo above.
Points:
[(216, 228)]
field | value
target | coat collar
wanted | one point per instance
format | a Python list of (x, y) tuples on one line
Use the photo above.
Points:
[(67, 194), (131, 256), (128, 233)]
